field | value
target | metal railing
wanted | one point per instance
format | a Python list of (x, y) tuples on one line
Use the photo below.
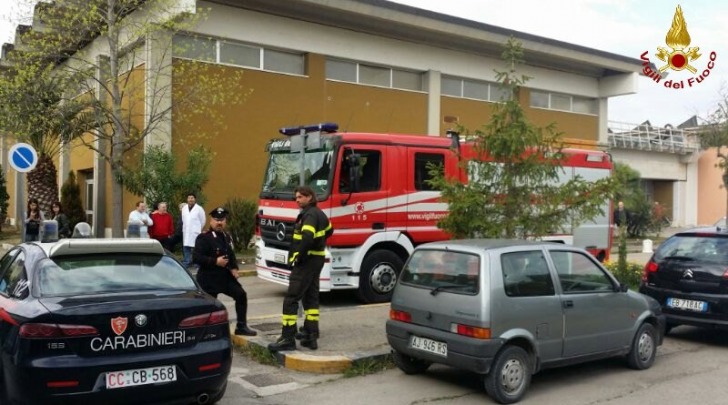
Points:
[(650, 138)]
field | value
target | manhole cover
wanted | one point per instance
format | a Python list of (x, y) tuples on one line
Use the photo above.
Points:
[(268, 327), (266, 380)]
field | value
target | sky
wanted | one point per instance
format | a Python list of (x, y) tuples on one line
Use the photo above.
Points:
[(624, 27)]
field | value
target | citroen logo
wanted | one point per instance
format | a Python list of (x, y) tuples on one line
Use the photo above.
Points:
[(688, 274), (140, 320), (281, 231)]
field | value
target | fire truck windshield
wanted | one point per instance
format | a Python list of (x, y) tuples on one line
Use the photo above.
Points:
[(284, 168)]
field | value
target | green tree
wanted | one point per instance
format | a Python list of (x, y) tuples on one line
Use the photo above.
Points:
[(71, 201), (514, 189), (157, 178), (95, 47), (630, 191), (4, 198)]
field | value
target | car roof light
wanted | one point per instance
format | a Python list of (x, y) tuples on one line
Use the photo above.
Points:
[(328, 127)]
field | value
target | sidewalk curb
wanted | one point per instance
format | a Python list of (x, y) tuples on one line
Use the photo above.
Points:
[(311, 363)]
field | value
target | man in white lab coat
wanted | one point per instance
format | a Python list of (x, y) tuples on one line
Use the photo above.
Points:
[(193, 219)]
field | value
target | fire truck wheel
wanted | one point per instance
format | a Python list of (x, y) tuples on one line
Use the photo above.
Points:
[(379, 272)]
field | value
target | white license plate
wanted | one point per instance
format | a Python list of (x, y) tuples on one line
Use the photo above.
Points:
[(428, 345), (141, 376), (279, 257), (690, 305)]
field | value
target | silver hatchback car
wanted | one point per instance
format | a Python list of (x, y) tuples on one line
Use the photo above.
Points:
[(507, 309)]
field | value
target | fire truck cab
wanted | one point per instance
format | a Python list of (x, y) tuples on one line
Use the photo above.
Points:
[(374, 189)]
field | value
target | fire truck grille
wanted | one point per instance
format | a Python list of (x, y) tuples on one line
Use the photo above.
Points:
[(277, 234)]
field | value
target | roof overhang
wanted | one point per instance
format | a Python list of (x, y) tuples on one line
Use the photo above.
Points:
[(397, 21)]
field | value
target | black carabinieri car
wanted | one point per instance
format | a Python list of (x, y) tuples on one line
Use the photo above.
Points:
[(108, 321)]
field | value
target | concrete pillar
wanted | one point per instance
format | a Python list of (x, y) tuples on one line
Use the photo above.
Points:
[(691, 193), (158, 82), (432, 87)]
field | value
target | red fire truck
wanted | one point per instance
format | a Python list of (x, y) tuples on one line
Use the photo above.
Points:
[(374, 189)]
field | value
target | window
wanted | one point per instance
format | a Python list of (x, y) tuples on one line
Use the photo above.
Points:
[(197, 48), (422, 172), (239, 54), (475, 89), (579, 274), (286, 62), (368, 173), (381, 76), (14, 281), (447, 270), (526, 274), (564, 102), (341, 70)]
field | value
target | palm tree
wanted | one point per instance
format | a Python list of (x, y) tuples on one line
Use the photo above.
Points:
[(34, 111)]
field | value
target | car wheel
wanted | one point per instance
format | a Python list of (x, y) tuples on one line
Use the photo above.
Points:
[(409, 365), (509, 376), (644, 348), (378, 276)]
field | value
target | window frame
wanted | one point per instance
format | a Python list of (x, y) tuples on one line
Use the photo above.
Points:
[(613, 283), (358, 73)]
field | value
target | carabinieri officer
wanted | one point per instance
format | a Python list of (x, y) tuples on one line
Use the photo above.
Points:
[(218, 272)]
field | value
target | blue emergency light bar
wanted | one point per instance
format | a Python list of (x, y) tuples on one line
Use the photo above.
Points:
[(328, 127)]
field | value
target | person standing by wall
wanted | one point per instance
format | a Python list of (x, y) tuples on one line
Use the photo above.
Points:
[(163, 226), (307, 257), (218, 274), (193, 219), (64, 226), (33, 219), (140, 216)]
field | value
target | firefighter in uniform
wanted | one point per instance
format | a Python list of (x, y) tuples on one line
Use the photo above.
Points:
[(218, 273), (307, 259)]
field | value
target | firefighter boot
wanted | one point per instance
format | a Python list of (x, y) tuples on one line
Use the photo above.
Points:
[(304, 334), (310, 342), (287, 341)]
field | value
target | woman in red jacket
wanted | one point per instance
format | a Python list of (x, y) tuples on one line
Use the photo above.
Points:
[(163, 228)]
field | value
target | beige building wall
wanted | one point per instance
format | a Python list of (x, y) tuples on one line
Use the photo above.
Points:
[(711, 194)]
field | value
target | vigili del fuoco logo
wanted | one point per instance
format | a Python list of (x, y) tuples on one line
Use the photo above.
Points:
[(679, 56)]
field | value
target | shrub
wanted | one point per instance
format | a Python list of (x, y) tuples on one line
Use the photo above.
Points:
[(241, 221), (630, 275)]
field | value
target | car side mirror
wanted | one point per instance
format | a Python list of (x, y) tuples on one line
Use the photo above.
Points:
[(623, 288)]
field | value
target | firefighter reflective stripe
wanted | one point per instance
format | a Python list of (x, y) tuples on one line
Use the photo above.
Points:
[(308, 228), (312, 314), (317, 252), (289, 320), (293, 257), (321, 234), (297, 236)]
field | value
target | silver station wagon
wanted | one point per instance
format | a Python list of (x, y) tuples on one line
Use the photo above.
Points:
[(507, 309)]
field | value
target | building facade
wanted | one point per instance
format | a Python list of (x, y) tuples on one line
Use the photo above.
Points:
[(368, 65)]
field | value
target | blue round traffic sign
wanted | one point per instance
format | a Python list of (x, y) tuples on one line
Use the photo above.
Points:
[(22, 157)]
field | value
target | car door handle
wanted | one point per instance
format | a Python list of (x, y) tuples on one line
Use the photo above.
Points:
[(568, 304), (378, 226)]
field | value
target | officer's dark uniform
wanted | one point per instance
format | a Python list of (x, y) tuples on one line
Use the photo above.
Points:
[(307, 257), (216, 280)]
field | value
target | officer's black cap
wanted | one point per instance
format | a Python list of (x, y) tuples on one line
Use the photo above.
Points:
[(219, 213)]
